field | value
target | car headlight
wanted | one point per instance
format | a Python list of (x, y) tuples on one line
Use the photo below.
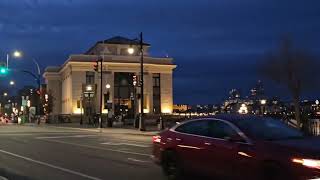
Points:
[(311, 163)]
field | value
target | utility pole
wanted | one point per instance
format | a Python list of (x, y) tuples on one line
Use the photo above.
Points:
[(100, 118), (141, 122)]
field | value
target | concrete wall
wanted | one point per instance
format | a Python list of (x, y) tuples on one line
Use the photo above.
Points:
[(54, 87), (78, 78)]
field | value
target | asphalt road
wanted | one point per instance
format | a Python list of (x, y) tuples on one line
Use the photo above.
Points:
[(55, 153)]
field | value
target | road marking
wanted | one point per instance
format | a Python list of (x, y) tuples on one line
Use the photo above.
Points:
[(95, 147), (138, 160), (3, 178), (50, 165), (60, 137), (127, 144)]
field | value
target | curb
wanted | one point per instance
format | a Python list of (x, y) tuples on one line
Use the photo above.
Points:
[(103, 131)]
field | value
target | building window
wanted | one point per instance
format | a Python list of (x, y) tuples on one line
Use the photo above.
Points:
[(78, 104), (156, 93), (89, 77)]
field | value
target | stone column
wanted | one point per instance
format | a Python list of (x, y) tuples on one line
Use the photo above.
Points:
[(166, 92)]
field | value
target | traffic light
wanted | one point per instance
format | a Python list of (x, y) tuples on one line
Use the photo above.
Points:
[(3, 69), (96, 66), (134, 80)]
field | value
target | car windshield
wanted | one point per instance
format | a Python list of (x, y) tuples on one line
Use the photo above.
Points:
[(268, 129)]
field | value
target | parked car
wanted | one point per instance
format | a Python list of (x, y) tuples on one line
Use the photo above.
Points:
[(237, 147)]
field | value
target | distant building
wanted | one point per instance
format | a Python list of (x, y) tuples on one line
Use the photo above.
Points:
[(75, 85), (258, 90), (180, 108)]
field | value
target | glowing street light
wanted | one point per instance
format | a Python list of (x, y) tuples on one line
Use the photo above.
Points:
[(89, 88), (130, 50), (108, 86), (12, 83), (5, 94), (17, 54)]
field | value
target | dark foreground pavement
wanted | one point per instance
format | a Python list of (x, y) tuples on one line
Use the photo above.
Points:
[(28, 152)]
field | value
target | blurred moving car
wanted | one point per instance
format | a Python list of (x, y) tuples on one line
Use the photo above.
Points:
[(237, 147)]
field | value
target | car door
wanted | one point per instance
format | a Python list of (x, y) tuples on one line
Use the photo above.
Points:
[(220, 152), (189, 140)]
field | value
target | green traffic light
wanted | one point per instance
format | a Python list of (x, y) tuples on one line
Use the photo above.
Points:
[(3, 70)]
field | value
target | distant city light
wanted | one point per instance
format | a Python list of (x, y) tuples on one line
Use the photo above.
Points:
[(5, 94), (12, 83), (108, 86), (317, 102), (243, 109), (263, 101)]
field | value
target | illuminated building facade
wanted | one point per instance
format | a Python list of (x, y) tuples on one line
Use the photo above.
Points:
[(75, 85)]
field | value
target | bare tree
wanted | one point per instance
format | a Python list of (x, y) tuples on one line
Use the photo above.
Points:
[(293, 68)]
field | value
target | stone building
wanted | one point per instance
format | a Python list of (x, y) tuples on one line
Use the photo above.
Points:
[(75, 86)]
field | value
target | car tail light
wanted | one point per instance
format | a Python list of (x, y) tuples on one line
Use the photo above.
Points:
[(312, 163), (156, 139)]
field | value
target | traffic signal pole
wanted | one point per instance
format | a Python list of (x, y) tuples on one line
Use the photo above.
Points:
[(100, 118), (141, 122)]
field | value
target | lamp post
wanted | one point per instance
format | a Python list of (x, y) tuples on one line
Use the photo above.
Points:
[(16, 54), (37, 76), (131, 51), (81, 99), (109, 120)]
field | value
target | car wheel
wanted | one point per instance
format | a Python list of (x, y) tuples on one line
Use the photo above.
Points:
[(172, 166), (272, 171)]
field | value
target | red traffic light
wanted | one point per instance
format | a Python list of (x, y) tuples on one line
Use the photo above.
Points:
[(96, 66)]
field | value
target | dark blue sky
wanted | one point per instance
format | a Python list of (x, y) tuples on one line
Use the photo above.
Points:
[(216, 43)]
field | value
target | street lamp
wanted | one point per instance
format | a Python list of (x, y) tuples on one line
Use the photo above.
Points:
[(5, 94), (12, 83), (15, 54), (89, 88), (130, 50), (37, 75), (109, 119)]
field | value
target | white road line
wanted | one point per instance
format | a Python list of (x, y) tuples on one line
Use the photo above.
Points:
[(95, 147), (3, 178), (60, 137), (138, 160), (50, 165), (127, 144)]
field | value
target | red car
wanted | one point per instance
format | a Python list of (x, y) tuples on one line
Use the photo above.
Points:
[(237, 147)]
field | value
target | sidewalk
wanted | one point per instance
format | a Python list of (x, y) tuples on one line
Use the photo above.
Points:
[(151, 131)]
